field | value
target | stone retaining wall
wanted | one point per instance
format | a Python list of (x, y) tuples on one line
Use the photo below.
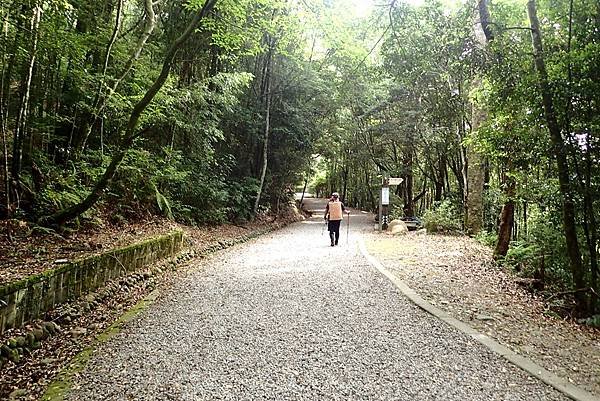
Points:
[(27, 299)]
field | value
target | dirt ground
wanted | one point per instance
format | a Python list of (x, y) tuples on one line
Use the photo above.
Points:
[(30, 251), (457, 274)]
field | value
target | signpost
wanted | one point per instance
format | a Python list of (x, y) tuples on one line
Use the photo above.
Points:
[(385, 195), (384, 200)]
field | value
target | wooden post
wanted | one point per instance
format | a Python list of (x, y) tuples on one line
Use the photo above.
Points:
[(379, 210), (384, 203)]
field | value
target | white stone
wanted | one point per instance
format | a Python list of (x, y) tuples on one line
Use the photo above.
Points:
[(397, 227)]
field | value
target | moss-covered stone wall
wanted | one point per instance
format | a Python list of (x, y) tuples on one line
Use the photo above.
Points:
[(29, 298)]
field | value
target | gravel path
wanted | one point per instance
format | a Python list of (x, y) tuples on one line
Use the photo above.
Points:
[(287, 317)]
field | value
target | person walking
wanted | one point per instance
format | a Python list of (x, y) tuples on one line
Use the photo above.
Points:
[(334, 215)]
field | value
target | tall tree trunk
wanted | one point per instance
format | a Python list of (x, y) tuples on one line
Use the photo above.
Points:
[(345, 183), (21, 120), (5, 175), (130, 131), (474, 184), (4, 89), (409, 204), (559, 150), (265, 150), (304, 190), (370, 194), (507, 218), (475, 163), (111, 42), (592, 226), (81, 140), (8, 67), (438, 190)]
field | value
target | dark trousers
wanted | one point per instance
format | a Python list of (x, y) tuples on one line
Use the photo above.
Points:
[(333, 226)]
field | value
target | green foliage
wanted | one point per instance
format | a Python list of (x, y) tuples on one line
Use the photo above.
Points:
[(444, 218), (542, 246), (145, 180), (201, 200), (396, 206), (396, 95), (523, 257), (593, 321), (240, 197), (318, 182), (487, 238), (163, 204), (61, 188), (542, 233)]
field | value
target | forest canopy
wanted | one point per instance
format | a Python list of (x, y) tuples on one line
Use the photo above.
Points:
[(214, 111)]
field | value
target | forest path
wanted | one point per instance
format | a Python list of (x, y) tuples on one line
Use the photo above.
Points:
[(288, 317)]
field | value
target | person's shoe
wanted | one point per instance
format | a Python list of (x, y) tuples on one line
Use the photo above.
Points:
[(336, 242), (332, 243)]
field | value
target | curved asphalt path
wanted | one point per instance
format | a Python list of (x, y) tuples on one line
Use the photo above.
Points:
[(287, 317)]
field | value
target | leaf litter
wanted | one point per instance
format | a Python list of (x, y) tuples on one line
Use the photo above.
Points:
[(459, 275)]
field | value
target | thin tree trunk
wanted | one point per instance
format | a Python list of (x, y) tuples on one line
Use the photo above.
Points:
[(304, 189), (462, 165), (370, 190), (5, 174), (409, 204), (109, 47), (89, 122), (4, 87), (100, 104), (475, 164), (558, 147), (593, 227), (265, 158), (21, 120), (345, 183), (7, 72), (525, 228), (130, 132)]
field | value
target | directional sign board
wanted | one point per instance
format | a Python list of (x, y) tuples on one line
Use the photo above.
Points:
[(385, 196), (395, 180)]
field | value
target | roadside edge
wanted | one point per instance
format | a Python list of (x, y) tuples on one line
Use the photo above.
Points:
[(568, 389), (57, 390)]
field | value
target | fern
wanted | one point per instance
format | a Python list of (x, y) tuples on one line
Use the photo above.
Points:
[(163, 203)]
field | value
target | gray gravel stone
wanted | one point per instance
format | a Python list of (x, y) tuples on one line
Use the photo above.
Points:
[(287, 317)]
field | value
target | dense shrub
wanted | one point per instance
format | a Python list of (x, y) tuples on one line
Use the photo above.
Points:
[(487, 238), (61, 187), (145, 181), (549, 245), (540, 252), (523, 257), (241, 195), (445, 217)]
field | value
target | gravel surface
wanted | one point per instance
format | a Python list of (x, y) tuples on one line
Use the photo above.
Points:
[(457, 274), (288, 317)]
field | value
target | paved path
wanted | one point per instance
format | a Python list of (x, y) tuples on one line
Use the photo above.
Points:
[(287, 317)]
